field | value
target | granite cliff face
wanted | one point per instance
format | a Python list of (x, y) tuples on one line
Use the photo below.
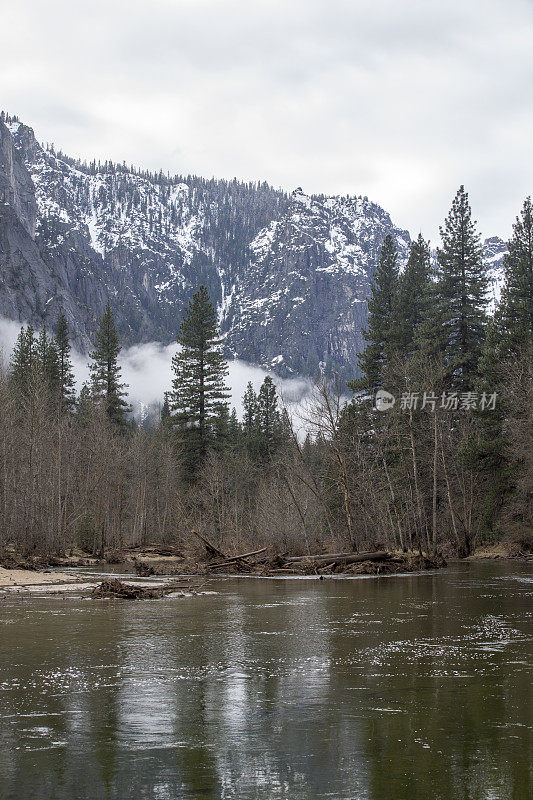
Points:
[(301, 301), (41, 273), (290, 274)]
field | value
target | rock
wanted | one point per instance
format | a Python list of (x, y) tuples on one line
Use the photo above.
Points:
[(290, 273)]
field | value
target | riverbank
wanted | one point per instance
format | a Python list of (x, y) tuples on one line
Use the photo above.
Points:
[(501, 551), (19, 581), (25, 578), (155, 570)]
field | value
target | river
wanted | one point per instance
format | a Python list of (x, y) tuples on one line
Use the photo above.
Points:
[(400, 688)]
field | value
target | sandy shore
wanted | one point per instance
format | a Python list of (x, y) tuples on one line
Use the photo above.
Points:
[(23, 578)]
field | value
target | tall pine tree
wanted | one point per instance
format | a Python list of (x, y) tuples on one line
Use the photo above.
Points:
[(515, 314), (380, 331), (414, 298), (48, 362), (23, 361), (66, 372), (461, 292), (269, 421), (199, 392), (250, 426), (106, 383)]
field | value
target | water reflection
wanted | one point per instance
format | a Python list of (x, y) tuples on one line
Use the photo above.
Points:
[(415, 687)]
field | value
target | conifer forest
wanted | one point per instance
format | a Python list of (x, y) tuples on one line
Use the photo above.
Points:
[(426, 446)]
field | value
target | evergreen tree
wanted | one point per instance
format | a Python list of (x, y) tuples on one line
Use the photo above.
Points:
[(235, 429), (198, 389), (105, 370), (47, 361), (485, 450), (250, 423), (379, 333), (412, 307), (226, 429), (66, 372), (461, 292), (165, 410), (23, 360), (269, 421), (84, 405), (249, 404), (515, 315)]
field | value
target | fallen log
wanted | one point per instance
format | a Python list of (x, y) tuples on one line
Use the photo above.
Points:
[(340, 558), (234, 559), (208, 546), (284, 570)]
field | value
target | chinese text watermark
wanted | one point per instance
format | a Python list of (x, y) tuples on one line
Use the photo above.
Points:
[(447, 401)]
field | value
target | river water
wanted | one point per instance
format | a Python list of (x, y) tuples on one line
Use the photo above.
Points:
[(392, 688)]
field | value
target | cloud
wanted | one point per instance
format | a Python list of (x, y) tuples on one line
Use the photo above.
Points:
[(9, 331), (401, 101), (147, 372)]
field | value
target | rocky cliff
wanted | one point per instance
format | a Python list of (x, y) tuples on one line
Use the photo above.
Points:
[(289, 273)]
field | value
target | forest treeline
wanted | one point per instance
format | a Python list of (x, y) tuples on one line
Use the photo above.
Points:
[(431, 451)]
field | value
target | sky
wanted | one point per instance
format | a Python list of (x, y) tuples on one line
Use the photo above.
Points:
[(399, 100)]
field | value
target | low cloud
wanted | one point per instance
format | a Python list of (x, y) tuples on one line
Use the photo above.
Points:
[(9, 331), (147, 372)]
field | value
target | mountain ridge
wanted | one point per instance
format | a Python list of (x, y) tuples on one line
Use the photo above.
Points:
[(290, 273)]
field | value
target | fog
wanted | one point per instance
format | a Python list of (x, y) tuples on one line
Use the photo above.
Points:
[(147, 372)]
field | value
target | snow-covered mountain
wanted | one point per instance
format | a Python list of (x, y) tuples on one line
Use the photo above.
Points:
[(290, 274), (494, 250)]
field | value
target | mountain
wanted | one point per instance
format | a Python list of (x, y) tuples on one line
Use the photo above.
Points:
[(494, 250), (290, 273)]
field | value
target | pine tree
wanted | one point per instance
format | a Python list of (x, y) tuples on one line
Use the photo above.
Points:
[(515, 314), (227, 430), (66, 373), (165, 410), (250, 424), (379, 333), (198, 388), (47, 362), (269, 421), (412, 307), (235, 429), (105, 370), (486, 448), (84, 405), (461, 292), (23, 361)]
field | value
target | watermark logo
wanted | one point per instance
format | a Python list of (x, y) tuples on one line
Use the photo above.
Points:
[(447, 401), (383, 400)]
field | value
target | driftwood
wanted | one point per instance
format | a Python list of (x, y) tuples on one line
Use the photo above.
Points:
[(282, 570), (211, 549), (115, 589), (340, 558), (234, 559), (124, 591), (143, 569), (293, 564)]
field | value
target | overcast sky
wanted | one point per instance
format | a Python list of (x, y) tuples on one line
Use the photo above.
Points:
[(401, 100)]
